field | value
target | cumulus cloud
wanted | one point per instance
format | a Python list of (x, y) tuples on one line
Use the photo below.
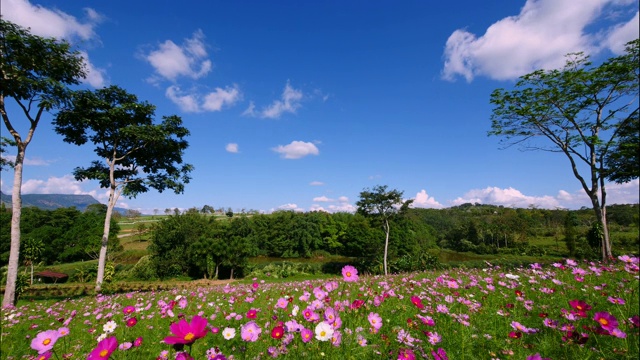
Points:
[(322, 199), (538, 37), (507, 197), (53, 185), (190, 59), (316, 183), (94, 76), (51, 22), (332, 205), (288, 103), (288, 207), (423, 200), (232, 148), (195, 102), (296, 150), (36, 161)]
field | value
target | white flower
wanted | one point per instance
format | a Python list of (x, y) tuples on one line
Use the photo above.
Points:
[(512, 277), (229, 333), (102, 337), (295, 310), (109, 327), (324, 331)]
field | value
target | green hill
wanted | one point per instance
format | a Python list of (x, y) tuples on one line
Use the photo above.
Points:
[(52, 201)]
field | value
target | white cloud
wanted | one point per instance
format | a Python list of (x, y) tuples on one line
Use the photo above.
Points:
[(538, 37), (95, 76), (322, 199), (343, 199), (622, 34), (297, 150), (423, 200), (50, 22), (251, 110), (290, 206), (171, 61), (507, 197), (289, 103), (53, 185), (232, 148), (36, 161), (195, 102), (316, 183)]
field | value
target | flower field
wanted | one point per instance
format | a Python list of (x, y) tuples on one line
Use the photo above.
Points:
[(567, 310)]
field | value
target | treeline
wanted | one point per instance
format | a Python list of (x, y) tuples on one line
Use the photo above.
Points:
[(205, 246), (57, 236)]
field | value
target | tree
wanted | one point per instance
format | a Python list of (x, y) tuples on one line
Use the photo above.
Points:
[(35, 72), (581, 110), (137, 154), (382, 204), (32, 249), (623, 161)]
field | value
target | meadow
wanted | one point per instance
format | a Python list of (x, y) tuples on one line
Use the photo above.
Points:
[(564, 310)]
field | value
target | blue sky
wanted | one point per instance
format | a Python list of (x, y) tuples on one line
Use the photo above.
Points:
[(303, 104)]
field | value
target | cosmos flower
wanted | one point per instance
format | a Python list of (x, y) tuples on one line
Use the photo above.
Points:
[(306, 335), (44, 341), (109, 327), (277, 332), (417, 302), (375, 320), (324, 331), (606, 320), (104, 349), (349, 273), (228, 333), (250, 331), (187, 333)]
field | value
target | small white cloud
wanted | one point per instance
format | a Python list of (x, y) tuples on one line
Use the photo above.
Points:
[(343, 199), (53, 185), (322, 199), (194, 102), (251, 110), (507, 197), (316, 183), (289, 103), (50, 22), (29, 161), (293, 207), (423, 200), (171, 61), (621, 34), (95, 76), (538, 37), (232, 148), (296, 150)]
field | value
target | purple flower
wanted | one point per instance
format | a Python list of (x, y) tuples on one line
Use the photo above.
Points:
[(45, 340), (349, 273)]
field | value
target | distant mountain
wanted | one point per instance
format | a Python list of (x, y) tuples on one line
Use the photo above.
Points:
[(52, 201)]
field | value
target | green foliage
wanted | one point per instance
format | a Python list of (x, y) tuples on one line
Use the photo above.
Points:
[(22, 285)]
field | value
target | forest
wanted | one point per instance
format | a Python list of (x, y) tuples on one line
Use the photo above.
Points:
[(197, 244)]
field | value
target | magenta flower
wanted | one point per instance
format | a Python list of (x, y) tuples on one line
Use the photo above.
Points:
[(104, 349), (183, 355), (406, 354), (614, 300), (127, 310), (606, 320), (349, 273), (417, 302), (187, 333), (44, 356), (250, 331), (306, 334), (137, 342), (536, 357), (45, 340), (440, 354)]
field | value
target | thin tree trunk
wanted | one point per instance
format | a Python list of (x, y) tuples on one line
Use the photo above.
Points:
[(113, 195), (14, 252), (386, 245)]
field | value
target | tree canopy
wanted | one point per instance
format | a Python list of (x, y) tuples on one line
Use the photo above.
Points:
[(36, 73), (135, 153), (580, 111)]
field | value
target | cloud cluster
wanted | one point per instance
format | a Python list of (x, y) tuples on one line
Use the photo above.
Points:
[(232, 148), (340, 204), (195, 102), (538, 37), (296, 150), (423, 200), (289, 102), (60, 25), (190, 59)]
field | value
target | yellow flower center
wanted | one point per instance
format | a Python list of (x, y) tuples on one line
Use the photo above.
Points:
[(323, 333), (46, 342), (603, 321), (348, 274), (103, 353), (189, 336)]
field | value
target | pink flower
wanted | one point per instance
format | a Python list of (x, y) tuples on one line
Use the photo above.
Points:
[(187, 333), (45, 340), (406, 354), (104, 349), (127, 310), (375, 320), (434, 338), (618, 301), (44, 356), (536, 357), (132, 321), (251, 314), (440, 354), (137, 342), (306, 334), (606, 320), (417, 302), (282, 303), (250, 331), (349, 273)]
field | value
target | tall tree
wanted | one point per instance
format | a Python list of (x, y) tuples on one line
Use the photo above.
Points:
[(35, 73), (382, 204), (136, 153), (580, 110)]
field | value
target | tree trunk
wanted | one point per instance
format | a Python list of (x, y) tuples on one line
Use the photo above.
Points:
[(14, 252), (386, 246), (216, 275), (31, 272), (113, 196), (231, 277)]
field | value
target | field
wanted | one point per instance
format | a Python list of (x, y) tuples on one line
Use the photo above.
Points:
[(565, 310)]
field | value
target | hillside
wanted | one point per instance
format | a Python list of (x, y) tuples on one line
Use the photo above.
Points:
[(52, 201)]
